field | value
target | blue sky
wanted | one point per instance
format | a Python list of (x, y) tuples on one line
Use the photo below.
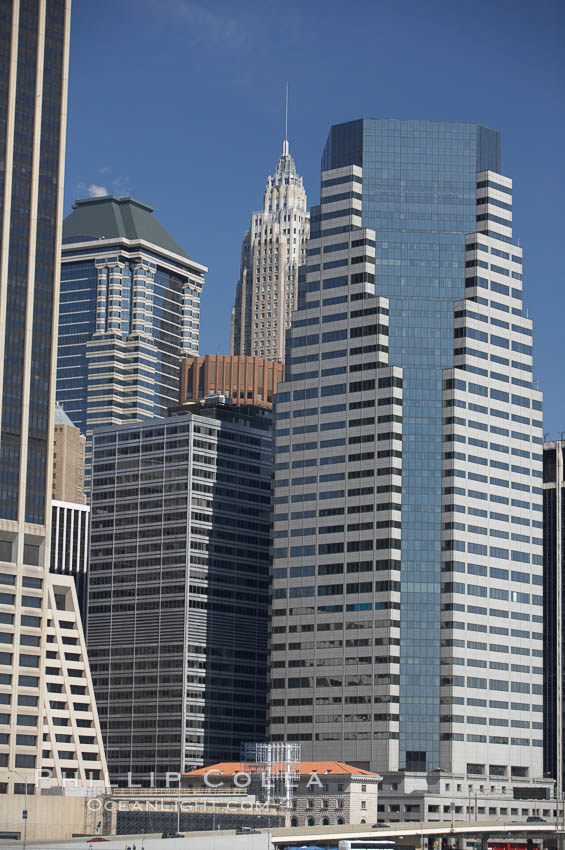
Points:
[(180, 104)]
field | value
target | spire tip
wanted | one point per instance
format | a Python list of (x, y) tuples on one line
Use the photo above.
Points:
[(285, 144)]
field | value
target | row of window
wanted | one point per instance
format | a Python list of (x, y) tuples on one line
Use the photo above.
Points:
[(492, 612), (494, 429), (354, 681), (494, 286), (495, 572), (339, 547), (333, 644), (491, 684), (492, 593)]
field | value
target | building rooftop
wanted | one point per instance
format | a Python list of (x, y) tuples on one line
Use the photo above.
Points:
[(61, 417), (112, 217), (331, 768)]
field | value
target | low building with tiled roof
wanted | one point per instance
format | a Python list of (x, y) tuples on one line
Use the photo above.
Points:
[(327, 792)]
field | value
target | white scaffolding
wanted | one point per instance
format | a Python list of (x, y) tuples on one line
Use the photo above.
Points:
[(274, 769)]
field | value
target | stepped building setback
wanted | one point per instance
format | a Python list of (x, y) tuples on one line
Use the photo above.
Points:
[(272, 251), (407, 611)]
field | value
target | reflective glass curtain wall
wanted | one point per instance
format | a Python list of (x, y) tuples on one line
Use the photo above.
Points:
[(129, 311), (419, 195), (29, 251)]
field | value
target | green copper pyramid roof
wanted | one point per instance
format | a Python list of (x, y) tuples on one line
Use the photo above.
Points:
[(111, 217)]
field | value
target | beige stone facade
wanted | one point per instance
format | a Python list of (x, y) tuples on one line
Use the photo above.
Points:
[(327, 792), (51, 817), (333, 797), (69, 448)]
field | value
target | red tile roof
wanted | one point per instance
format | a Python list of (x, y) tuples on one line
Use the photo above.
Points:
[(332, 768)]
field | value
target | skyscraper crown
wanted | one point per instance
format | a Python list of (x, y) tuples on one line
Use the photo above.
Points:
[(284, 189), (285, 172)]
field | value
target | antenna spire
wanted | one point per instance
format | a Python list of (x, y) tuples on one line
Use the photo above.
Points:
[(285, 142)]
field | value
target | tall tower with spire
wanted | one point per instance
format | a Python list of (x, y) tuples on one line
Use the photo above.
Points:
[(273, 249)]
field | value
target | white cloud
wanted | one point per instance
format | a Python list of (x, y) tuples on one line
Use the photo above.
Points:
[(97, 191), (208, 26)]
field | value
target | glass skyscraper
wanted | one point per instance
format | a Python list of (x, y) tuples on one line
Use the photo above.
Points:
[(178, 587), (415, 218), (129, 310)]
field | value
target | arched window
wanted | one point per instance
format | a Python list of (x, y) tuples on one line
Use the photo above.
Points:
[(294, 821), (310, 822), (340, 821), (363, 820), (325, 821)]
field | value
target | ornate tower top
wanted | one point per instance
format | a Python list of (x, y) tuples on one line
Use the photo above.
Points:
[(277, 195), (285, 189)]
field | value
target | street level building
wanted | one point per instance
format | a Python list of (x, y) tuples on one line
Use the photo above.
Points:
[(554, 568), (48, 721), (407, 597), (272, 251), (129, 311), (178, 588), (69, 447), (415, 796), (243, 380), (326, 793)]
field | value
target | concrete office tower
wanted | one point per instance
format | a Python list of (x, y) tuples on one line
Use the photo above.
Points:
[(244, 380), (273, 249), (553, 567), (407, 600), (179, 586), (130, 310), (47, 713), (69, 447)]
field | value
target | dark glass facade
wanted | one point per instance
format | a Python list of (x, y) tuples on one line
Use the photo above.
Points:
[(69, 546), (18, 260), (129, 310), (419, 195), (31, 252), (100, 378), (178, 588), (553, 608), (45, 256)]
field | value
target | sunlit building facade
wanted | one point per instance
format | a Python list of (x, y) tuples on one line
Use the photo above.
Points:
[(48, 720), (129, 311), (407, 599), (272, 251)]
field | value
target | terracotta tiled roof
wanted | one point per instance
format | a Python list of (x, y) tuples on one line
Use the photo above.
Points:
[(332, 768)]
